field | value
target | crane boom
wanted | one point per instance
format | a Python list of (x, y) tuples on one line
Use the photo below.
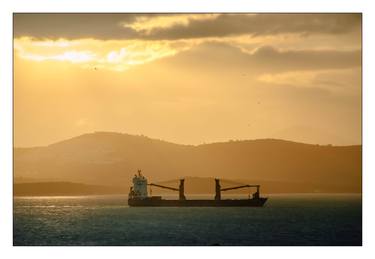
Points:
[(238, 187), (162, 186)]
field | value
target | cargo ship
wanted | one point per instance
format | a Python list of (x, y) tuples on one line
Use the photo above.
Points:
[(138, 196)]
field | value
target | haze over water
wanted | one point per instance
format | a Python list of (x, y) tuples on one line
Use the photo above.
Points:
[(308, 219)]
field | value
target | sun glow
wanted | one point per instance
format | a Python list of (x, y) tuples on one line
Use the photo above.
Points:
[(116, 55), (70, 56)]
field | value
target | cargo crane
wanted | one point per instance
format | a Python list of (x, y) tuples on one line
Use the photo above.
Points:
[(138, 196), (181, 188), (218, 189)]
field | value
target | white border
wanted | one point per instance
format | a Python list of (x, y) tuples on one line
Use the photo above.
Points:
[(8, 7)]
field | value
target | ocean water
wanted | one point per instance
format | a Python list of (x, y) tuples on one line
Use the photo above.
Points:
[(308, 219)]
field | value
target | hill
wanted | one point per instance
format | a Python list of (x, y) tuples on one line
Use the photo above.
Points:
[(104, 158)]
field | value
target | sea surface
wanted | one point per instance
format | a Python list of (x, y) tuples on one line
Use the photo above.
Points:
[(306, 219)]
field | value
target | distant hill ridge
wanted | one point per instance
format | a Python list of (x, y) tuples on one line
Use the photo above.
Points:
[(105, 158)]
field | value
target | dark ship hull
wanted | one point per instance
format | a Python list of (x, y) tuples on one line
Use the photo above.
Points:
[(158, 202)]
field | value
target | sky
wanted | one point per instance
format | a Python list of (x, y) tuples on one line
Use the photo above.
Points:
[(188, 78)]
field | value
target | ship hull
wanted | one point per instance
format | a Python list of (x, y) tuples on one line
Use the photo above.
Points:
[(149, 202)]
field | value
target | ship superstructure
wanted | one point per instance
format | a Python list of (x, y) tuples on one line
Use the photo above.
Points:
[(139, 188), (138, 196)]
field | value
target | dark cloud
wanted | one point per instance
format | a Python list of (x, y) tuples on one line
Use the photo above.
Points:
[(262, 24), (73, 26), (107, 26)]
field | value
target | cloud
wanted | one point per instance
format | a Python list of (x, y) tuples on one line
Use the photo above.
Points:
[(71, 56), (216, 56), (184, 26), (212, 55), (262, 24), (112, 55), (73, 26), (307, 59), (146, 24)]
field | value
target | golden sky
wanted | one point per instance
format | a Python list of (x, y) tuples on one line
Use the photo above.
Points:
[(188, 78)]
